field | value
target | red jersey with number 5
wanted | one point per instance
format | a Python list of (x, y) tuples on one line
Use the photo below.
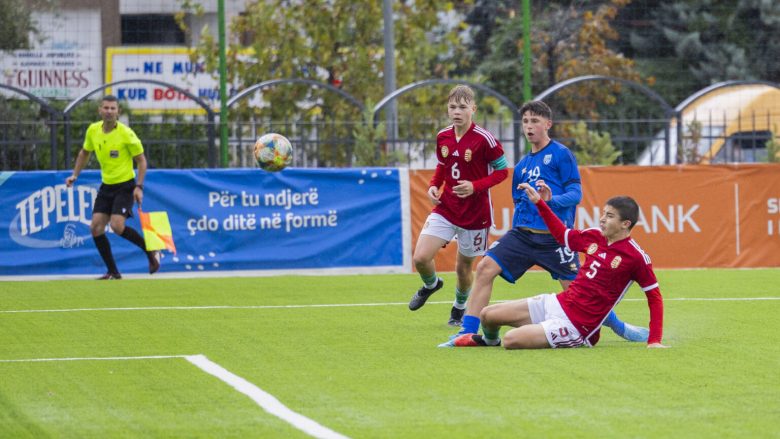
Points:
[(466, 159), (604, 278), (608, 272)]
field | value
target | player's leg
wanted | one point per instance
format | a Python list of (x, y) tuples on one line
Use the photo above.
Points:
[(513, 313), (464, 268), (526, 337), (101, 212), (121, 210), (436, 233), (471, 244), (548, 326), (487, 271), (626, 330), (98, 229), (508, 258)]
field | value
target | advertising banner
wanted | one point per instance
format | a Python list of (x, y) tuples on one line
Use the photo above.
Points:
[(691, 216), (235, 219), (166, 64), (61, 65)]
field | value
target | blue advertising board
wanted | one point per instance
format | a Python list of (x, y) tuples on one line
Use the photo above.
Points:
[(222, 220)]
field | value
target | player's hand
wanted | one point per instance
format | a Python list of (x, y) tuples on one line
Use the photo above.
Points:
[(138, 195), (69, 181), (434, 195), (657, 346), (533, 196), (463, 189), (544, 190)]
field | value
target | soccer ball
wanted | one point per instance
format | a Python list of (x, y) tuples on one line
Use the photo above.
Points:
[(273, 152)]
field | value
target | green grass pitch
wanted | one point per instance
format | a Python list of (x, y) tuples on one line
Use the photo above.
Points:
[(372, 369)]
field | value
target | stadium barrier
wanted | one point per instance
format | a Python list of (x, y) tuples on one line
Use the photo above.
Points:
[(367, 219), (692, 216), (229, 220)]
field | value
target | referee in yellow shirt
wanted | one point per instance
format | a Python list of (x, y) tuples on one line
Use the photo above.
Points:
[(116, 147)]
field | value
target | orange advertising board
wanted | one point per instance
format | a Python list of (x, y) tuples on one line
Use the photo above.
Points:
[(691, 216)]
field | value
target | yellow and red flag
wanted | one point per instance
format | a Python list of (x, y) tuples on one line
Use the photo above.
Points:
[(157, 230)]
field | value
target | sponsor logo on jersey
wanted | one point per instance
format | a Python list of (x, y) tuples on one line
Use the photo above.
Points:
[(444, 151), (573, 267), (114, 154), (456, 153), (603, 255), (547, 159), (592, 248), (468, 155), (616, 262)]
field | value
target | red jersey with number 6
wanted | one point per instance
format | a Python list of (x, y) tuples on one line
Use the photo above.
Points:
[(466, 159)]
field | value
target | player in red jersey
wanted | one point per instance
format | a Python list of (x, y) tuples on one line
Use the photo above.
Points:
[(470, 162), (572, 318)]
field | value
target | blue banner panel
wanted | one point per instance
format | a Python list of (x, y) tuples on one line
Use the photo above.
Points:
[(230, 219)]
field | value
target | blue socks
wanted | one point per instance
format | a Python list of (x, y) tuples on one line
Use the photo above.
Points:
[(614, 323), (626, 330), (470, 325)]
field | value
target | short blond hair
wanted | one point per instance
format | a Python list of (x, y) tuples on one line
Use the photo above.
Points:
[(461, 93)]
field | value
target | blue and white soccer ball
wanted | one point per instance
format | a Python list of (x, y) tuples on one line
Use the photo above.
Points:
[(273, 152)]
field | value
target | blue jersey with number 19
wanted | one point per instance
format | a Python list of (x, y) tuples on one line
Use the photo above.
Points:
[(556, 165)]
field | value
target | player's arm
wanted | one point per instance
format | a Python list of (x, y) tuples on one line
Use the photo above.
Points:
[(656, 304), (436, 181), (138, 192), (81, 161), (569, 176), (571, 196), (498, 175), (554, 224)]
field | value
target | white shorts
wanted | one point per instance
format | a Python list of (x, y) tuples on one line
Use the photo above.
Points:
[(471, 243), (545, 310)]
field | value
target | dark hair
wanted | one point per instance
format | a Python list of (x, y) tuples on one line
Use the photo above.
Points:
[(110, 98), (626, 208), (538, 108)]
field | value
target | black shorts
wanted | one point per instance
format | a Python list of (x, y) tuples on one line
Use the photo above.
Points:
[(115, 199), (519, 250)]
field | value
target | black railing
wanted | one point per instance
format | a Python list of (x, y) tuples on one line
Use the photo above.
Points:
[(35, 135)]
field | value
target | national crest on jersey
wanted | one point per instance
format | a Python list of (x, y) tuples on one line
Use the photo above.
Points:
[(467, 158)]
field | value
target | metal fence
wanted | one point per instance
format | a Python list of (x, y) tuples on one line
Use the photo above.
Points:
[(35, 135)]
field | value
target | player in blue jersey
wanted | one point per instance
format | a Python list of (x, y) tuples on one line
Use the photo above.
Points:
[(529, 242)]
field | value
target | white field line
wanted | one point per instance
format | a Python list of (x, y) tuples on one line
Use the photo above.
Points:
[(40, 360), (265, 400), (344, 305)]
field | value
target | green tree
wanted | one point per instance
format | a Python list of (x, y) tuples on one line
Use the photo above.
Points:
[(16, 22), (700, 42), (689, 150), (569, 39), (593, 148), (339, 42), (369, 148), (773, 148)]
